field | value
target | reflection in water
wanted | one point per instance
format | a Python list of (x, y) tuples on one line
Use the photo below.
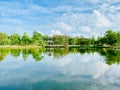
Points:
[(59, 69), (110, 56), (36, 53)]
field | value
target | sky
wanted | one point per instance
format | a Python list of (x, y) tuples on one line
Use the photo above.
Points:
[(70, 17)]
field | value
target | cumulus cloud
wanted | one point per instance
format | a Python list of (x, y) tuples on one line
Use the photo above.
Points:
[(38, 9), (85, 29), (56, 32), (62, 9), (78, 19), (62, 26), (101, 20), (94, 1)]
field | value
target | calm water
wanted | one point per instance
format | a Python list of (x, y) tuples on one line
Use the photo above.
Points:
[(59, 69)]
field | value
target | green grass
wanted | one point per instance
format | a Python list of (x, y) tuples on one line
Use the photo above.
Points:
[(69, 46), (17, 47)]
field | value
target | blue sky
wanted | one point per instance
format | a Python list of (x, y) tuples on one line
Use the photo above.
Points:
[(71, 17)]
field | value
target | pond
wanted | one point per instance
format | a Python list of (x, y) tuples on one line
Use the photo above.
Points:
[(59, 69)]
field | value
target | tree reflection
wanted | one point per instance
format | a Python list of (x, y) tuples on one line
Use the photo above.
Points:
[(15, 52), (37, 54), (1, 57), (3, 53), (110, 56), (25, 54)]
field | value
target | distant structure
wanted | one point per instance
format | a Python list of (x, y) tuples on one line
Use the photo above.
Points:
[(49, 41)]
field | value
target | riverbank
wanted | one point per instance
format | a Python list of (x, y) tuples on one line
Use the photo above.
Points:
[(76, 46), (60, 46), (20, 47)]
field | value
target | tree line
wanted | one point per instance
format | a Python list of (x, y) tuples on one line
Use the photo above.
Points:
[(110, 38), (25, 39)]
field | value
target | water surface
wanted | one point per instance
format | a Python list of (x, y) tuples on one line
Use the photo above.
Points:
[(59, 69)]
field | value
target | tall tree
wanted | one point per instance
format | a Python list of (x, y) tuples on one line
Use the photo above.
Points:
[(65, 40), (111, 37), (57, 39), (61, 40), (38, 38), (25, 40), (4, 40), (92, 40), (15, 39), (118, 38)]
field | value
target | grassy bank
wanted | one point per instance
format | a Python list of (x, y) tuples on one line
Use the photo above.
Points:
[(20, 47), (59, 46)]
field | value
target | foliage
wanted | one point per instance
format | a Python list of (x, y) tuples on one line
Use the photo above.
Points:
[(37, 39), (110, 38), (15, 39), (61, 40), (25, 40), (4, 40)]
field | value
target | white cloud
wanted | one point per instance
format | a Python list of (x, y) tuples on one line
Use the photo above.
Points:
[(62, 9), (14, 21), (76, 34), (94, 1), (56, 32), (68, 9), (38, 9), (63, 26), (68, 19), (109, 8), (85, 29), (79, 35), (100, 20)]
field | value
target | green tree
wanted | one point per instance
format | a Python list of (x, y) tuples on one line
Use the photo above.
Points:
[(61, 40), (92, 40), (118, 38), (38, 39), (4, 40), (57, 39), (111, 37), (100, 41), (83, 41), (73, 41), (65, 40), (25, 40), (15, 39)]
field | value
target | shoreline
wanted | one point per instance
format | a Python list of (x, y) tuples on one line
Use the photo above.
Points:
[(59, 46), (20, 47)]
